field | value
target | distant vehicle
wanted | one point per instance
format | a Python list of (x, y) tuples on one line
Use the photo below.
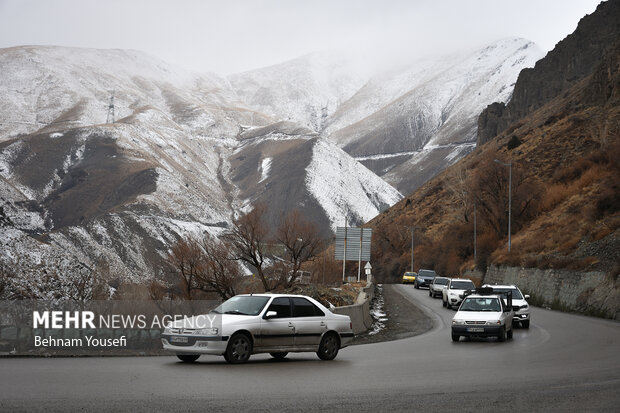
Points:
[(484, 313), (452, 295), (437, 286), (519, 303), (424, 278), (261, 323), (409, 277)]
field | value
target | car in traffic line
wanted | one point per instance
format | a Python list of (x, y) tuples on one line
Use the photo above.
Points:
[(452, 295), (484, 313), (520, 305), (409, 277), (424, 278), (260, 323), (437, 286)]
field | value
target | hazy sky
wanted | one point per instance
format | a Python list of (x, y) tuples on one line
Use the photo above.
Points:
[(230, 36)]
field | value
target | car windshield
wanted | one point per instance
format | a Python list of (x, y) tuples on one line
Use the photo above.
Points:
[(516, 294), (242, 305), (409, 274), (462, 285), (426, 273), (441, 281), (480, 304)]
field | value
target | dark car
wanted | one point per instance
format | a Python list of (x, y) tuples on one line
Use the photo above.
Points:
[(424, 278)]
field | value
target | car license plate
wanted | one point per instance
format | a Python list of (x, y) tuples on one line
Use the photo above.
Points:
[(475, 330), (178, 339)]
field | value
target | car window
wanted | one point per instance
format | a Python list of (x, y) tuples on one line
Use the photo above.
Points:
[(304, 308), (282, 306), (516, 294), (481, 304), (242, 305), (462, 285)]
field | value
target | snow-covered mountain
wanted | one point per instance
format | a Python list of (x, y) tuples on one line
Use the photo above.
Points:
[(433, 122), (184, 156), (306, 90), (406, 123), (189, 151)]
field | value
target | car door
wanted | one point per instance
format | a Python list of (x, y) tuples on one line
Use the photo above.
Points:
[(309, 322), (277, 331)]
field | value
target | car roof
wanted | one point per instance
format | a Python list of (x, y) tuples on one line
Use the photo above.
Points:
[(272, 295), (499, 286), (461, 279)]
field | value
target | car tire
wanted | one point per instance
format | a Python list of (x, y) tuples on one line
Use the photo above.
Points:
[(525, 323), (239, 349), (416, 286), (448, 305), (509, 334), (456, 337), (328, 349), (443, 303), (188, 358), (429, 293), (278, 356), (502, 335)]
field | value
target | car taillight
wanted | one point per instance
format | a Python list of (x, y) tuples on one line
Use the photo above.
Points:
[(351, 325)]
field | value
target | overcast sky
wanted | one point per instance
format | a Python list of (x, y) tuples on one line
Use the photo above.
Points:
[(230, 36)]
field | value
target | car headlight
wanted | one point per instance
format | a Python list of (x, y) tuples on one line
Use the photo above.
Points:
[(494, 322), (458, 322), (525, 307), (208, 331)]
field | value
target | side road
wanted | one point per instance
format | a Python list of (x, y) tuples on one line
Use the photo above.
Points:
[(404, 319)]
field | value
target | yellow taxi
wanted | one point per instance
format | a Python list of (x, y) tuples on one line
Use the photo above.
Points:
[(409, 277)]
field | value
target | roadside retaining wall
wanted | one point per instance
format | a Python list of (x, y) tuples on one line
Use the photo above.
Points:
[(590, 293), (360, 311)]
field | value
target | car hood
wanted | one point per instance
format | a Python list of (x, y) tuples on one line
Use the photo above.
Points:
[(477, 316)]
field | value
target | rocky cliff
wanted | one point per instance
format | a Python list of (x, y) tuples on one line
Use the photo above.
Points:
[(573, 59)]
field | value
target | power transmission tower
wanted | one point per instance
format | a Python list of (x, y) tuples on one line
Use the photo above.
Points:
[(111, 109)]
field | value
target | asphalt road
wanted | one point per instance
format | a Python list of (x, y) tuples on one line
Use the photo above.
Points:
[(562, 363)]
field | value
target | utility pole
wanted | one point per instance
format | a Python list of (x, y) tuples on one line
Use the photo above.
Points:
[(344, 257), (111, 109), (411, 249), (475, 235), (509, 165)]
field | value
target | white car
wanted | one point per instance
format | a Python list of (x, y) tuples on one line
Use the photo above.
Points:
[(260, 323), (452, 295), (437, 286), (483, 314), (519, 303)]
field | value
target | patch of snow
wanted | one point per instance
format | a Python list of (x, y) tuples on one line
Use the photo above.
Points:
[(265, 168)]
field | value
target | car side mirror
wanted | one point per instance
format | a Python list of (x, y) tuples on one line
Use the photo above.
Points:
[(527, 296), (270, 314)]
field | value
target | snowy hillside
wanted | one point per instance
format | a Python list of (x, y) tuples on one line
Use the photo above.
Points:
[(438, 111), (305, 90), (183, 158)]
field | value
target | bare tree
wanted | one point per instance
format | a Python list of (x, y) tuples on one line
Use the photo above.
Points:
[(489, 186), (301, 241), (186, 258), (249, 243), (219, 271)]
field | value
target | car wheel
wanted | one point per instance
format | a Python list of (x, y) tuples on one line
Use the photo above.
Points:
[(279, 356), (448, 306), (328, 349), (502, 335), (429, 293), (525, 323), (239, 349), (188, 358), (455, 337), (443, 303), (509, 334), (417, 287)]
